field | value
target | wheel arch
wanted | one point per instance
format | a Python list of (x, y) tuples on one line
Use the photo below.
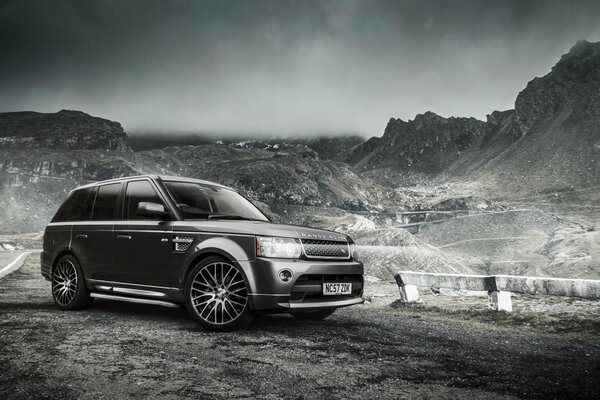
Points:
[(61, 254), (206, 253), (68, 252)]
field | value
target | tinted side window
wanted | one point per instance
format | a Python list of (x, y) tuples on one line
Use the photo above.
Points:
[(77, 207), (138, 191), (105, 206)]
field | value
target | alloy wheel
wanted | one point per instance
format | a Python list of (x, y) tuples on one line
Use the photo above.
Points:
[(64, 282), (218, 293)]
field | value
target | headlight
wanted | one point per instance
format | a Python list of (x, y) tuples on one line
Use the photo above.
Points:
[(277, 247), (353, 252)]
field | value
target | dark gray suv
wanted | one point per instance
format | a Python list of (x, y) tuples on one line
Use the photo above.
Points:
[(172, 241)]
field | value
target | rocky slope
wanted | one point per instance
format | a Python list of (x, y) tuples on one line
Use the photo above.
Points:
[(34, 181), (549, 142), (65, 129), (429, 143), (289, 176)]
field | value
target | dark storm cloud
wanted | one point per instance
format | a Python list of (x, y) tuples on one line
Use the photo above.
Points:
[(279, 67)]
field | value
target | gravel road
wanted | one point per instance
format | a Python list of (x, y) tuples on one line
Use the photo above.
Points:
[(115, 350)]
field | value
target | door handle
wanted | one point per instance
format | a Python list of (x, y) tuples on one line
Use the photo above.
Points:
[(124, 237), (81, 236)]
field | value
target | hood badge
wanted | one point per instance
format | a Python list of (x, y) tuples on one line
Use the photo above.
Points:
[(321, 236)]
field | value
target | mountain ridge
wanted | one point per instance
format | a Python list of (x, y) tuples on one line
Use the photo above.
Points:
[(70, 129), (550, 140)]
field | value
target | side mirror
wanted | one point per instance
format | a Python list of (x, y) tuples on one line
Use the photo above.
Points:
[(152, 210)]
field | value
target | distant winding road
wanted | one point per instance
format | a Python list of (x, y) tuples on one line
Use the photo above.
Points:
[(11, 261)]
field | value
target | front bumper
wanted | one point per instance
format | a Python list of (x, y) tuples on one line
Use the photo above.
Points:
[(304, 291)]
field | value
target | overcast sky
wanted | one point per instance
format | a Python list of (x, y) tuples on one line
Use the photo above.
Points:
[(277, 67)]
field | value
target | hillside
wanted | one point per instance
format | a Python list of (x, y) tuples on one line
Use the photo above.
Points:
[(549, 142), (429, 144), (65, 129), (287, 179)]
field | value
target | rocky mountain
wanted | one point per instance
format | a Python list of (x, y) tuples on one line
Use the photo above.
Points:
[(550, 141), (36, 175), (429, 143), (65, 129)]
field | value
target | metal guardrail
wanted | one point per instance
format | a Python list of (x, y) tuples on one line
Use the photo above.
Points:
[(499, 287)]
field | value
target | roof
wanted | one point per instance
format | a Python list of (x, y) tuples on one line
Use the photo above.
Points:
[(155, 177)]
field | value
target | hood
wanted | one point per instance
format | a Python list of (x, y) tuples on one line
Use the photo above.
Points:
[(258, 228)]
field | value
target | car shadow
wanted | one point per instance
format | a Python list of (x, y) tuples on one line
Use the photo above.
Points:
[(138, 311), (264, 323)]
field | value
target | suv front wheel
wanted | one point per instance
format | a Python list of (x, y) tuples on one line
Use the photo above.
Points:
[(217, 296)]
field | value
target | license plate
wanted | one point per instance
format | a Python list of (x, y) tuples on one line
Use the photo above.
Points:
[(333, 289)]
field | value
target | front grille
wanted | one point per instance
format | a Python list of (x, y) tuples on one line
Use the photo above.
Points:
[(325, 249)]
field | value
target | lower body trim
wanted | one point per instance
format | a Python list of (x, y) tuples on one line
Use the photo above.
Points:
[(135, 300), (325, 304)]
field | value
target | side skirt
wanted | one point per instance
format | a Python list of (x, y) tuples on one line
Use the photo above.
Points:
[(124, 289), (135, 300)]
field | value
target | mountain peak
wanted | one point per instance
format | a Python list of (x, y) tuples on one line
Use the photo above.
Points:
[(582, 48), (74, 113), (573, 84)]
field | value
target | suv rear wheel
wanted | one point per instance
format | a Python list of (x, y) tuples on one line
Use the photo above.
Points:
[(217, 296), (68, 285)]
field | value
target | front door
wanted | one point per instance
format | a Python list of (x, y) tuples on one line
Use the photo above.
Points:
[(142, 245)]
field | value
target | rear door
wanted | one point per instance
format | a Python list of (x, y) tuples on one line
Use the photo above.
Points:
[(74, 214), (143, 245), (93, 238)]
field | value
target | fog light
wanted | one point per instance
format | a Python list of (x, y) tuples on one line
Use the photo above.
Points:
[(285, 275)]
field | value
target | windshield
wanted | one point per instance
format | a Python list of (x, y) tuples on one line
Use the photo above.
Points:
[(196, 201)]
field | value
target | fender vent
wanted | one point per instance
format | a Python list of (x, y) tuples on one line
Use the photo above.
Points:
[(182, 243)]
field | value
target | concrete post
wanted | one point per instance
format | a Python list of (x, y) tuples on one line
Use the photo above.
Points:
[(499, 301), (409, 294)]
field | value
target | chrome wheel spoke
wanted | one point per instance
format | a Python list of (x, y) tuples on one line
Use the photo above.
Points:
[(235, 302), (211, 293), (226, 310), (235, 283), (202, 284), (202, 295)]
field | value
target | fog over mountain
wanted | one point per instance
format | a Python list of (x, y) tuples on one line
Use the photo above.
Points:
[(279, 68)]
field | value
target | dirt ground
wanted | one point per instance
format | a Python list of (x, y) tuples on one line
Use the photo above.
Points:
[(445, 347)]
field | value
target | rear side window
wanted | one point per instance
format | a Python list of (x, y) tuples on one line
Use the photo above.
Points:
[(138, 191), (77, 207), (105, 206)]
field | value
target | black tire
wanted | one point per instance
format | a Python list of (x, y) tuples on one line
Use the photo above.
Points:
[(68, 285), (216, 295), (313, 315)]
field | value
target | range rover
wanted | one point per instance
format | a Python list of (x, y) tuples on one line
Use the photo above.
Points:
[(175, 242)]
